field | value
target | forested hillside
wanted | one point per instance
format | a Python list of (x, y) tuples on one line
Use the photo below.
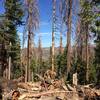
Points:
[(47, 46)]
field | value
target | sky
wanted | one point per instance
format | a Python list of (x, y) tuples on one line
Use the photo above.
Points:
[(45, 25)]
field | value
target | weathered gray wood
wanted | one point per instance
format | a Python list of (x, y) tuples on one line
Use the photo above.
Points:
[(75, 79)]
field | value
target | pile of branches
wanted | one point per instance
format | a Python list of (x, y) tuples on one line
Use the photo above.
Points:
[(48, 88)]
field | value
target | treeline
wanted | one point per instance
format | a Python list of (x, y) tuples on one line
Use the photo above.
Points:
[(81, 55)]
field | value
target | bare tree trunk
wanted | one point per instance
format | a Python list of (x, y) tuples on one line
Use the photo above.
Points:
[(9, 69), (40, 52), (28, 58), (77, 41), (69, 37), (32, 76), (87, 56), (27, 69), (53, 34), (53, 51), (30, 54), (81, 41), (61, 51), (82, 50), (6, 70), (32, 24), (26, 73), (61, 26)]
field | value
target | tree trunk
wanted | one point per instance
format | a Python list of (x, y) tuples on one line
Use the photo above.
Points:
[(53, 33), (28, 58), (69, 37), (61, 22), (26, 73), (53, 51), (39, 54), (9, 69), (87, 56), (61, 43)]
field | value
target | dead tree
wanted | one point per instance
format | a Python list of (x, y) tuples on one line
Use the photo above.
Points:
[(69, 4), (39, 52), (61, 26), (32, 23), (53, 33), (87, 53)]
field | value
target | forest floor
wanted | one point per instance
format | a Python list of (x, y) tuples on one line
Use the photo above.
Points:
[(47, 89)]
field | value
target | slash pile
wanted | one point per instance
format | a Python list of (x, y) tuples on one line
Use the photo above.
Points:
[(48, 88)]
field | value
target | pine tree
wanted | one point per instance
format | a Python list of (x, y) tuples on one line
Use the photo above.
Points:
[(3, 53), (12, 18), (86, 17), (16, 59), (96, 30)]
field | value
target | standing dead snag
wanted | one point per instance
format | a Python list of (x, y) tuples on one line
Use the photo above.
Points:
[(32, 24), (53, 33), (69, 4), (87, 53), (39, 54), (75, 79), (61, 26)]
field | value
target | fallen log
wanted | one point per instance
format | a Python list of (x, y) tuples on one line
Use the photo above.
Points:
[(35, 95), (24, 86), (97, 91), (70, 88)]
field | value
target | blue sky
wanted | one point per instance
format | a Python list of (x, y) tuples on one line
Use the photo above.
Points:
[(45, 28)]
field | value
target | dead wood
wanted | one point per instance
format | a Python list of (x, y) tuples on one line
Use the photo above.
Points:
[(48, 87), (49, 74), (35, 95), (70, 88), (24, 86)]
